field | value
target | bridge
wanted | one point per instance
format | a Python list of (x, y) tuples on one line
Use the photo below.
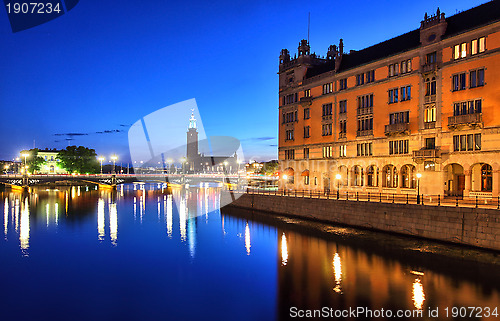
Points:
[(112, 180)]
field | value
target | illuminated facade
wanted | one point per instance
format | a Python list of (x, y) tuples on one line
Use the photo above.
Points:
[(51, 163), (423, 102)]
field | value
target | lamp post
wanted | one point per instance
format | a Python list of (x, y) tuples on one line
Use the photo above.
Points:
[(338, 177), (418, 187), (101, 159), (114, 158), (169, 162)]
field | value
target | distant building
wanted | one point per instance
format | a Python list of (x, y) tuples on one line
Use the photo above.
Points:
[(200, 163), (51, 165), (424, 102)]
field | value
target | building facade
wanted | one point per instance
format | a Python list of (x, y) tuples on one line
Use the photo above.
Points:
[(426, 102), (51, 163)]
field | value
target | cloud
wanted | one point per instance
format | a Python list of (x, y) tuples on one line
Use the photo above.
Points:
[(273, 145), (71, 134), (259, 139), (112, 131)]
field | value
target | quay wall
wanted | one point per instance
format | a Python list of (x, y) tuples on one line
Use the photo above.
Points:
[(477, 227)]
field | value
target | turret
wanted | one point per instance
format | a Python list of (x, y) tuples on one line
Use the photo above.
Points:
[(432, 28)]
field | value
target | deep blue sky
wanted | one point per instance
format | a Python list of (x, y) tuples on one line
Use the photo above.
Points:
[(105, 64)]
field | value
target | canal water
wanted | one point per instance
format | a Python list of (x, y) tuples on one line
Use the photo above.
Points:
[(147, 253)]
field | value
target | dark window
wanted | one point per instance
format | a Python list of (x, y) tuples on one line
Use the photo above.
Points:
[(306, 131), (342, 106), (430, 143), (343, 84), (307, 113), (431, 58)]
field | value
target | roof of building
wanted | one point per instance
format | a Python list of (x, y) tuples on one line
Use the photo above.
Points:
[(467, 20)]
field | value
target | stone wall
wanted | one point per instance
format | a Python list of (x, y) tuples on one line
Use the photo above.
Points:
[(469, 226)]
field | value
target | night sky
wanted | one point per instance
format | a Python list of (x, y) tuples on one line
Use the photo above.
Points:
[(102, 66)]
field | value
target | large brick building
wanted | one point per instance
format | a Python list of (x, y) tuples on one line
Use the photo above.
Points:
[(425, 102)]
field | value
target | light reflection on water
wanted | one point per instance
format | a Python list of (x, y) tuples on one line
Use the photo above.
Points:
[(194, 248)]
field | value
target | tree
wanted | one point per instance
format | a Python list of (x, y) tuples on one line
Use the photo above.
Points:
[(269, 168), (33, 161), (80, 160)]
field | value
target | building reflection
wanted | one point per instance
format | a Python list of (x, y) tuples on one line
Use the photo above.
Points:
[(314, 272)]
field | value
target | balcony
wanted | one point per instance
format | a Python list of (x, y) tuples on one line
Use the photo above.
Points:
[(393, 129), (429, 67), (327, 117), (425, 154), (429, 125), (472, 120), (361, 133), (306, 101), (342, 135), (429, 99), (365, 111)]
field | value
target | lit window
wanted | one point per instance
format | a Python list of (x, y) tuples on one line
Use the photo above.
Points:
[(463, 50)]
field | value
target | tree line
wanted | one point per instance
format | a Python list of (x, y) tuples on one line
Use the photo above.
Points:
[(73, 159)]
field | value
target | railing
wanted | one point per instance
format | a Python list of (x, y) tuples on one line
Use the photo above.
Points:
[(425, 153), (430, 125), (342, 135), (429, 99), (327, 117), (469, 119), (429, 67), (396, 128), (365, 111), (422, 199), (364, 132)]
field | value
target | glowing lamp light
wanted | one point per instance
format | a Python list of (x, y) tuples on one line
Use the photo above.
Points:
[(419, 175), (338, 176), (285, 176)]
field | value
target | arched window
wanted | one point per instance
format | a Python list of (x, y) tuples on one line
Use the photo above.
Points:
[(486, 178), (389, 176), (305, 175), (430, 86), (357, 176), (372, 176), (408, 176)]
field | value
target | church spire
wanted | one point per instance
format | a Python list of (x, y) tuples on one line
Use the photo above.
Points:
[(192, 121)]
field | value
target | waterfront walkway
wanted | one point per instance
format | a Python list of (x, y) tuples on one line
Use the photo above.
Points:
[(425, 199)]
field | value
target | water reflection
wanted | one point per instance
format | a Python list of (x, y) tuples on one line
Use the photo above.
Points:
[(304, 270), (418, 294), (337, 272), (284, 250), (247, 239), (113, 223), (100, 219), (5, 217), (169, 216), (24, 234)]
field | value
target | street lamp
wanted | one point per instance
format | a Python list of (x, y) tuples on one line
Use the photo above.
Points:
[(114, 158), (338, 177), (101, 159), (418, 187), (25, 155)]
